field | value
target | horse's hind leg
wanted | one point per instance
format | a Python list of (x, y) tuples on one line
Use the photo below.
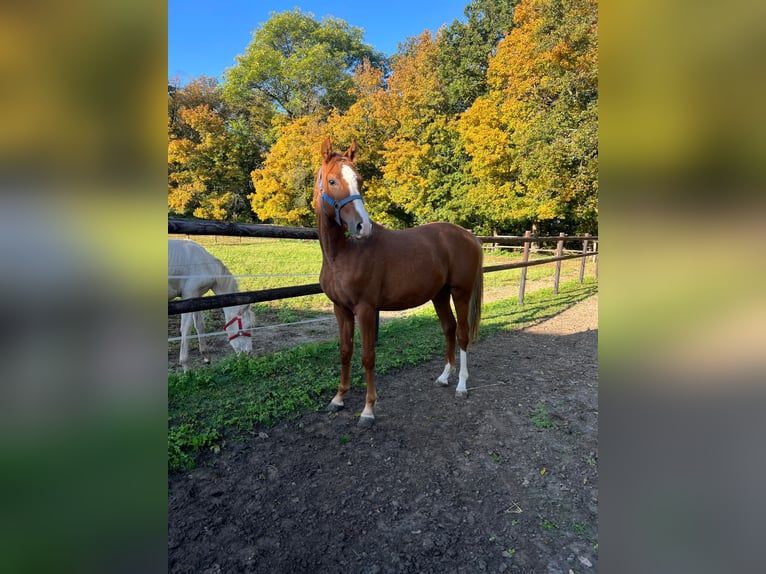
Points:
[(447, 320), (199, 326), (461, 307), (345, 320)]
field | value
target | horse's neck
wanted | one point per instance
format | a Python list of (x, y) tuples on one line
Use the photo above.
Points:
[(225, 282), (332, 238)]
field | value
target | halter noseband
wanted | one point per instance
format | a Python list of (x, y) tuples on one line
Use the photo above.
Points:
[(240, 332), (337, 205)]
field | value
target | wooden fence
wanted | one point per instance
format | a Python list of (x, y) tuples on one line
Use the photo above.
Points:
[(183, 226)]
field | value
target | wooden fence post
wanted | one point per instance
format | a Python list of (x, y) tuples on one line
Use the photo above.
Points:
[(524, 259), (595, 258), (559, 252), (584, 258)]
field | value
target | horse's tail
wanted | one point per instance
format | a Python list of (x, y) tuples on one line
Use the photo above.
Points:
[(474, 306)]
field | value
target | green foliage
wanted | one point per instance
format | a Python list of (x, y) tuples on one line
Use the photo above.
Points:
[(542, 418), (465, 48), (298, 66)]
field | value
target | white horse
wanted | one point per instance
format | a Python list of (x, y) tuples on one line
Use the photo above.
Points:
[(192, 272)]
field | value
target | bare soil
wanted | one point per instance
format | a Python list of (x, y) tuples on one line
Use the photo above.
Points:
[(503, 481)]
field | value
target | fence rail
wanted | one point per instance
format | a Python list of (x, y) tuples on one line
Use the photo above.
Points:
[(188, 227), (183, 226), (240, 298)]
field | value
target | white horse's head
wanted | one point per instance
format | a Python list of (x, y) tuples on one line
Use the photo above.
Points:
[(239, 321)]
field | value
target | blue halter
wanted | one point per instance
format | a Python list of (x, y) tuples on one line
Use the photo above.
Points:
[(337, 205)]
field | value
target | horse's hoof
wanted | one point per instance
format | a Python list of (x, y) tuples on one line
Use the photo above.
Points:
[(366, 421), (440, 383), (461, 394), (334, 407)]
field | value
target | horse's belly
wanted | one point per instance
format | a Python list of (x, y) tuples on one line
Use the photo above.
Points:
[(174, 290), (405, 300), (401, 306)]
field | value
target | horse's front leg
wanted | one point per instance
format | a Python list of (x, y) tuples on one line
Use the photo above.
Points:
[(186, 324), (366, 317), (345, 320)]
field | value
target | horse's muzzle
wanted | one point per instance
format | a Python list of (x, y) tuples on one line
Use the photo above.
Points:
[(361, 229)]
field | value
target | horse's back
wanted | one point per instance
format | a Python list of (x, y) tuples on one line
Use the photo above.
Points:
[(190, 268), (438, 243), (187, 252)]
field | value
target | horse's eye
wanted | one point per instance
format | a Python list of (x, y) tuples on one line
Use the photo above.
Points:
[(331, 181)]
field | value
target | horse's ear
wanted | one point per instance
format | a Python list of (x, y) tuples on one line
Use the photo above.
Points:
[(351, 152), (326, 149)]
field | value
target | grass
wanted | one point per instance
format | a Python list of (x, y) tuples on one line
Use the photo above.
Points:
[(542, 418), (584, 530), (238, 394)]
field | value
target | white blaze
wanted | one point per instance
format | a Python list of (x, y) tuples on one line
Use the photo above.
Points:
[(349, 176)]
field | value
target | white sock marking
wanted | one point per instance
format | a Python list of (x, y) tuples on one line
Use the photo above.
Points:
[(463, 371), (444, 377)]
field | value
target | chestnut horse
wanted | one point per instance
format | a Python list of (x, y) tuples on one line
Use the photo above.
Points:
[(367, 268)]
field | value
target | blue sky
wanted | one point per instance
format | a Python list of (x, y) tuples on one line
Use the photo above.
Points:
[(205, 36)]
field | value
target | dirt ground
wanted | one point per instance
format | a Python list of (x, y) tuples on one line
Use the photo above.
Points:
[(503, 481)]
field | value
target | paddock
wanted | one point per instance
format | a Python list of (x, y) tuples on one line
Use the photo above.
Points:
[(505, 481)]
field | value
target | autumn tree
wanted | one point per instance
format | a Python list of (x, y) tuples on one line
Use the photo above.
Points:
[(533, 137), (369, 121), (422, 171), (210, 154), (283, 186)]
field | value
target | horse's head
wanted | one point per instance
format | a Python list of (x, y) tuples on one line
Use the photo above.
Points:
[(337, 194), (239, 321)]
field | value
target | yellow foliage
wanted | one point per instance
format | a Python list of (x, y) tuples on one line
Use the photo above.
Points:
[(284, 185), (533, 145)]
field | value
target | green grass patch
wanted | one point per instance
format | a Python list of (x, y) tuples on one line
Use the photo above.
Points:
[(239, 394), (542, 418), (271, 263)]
